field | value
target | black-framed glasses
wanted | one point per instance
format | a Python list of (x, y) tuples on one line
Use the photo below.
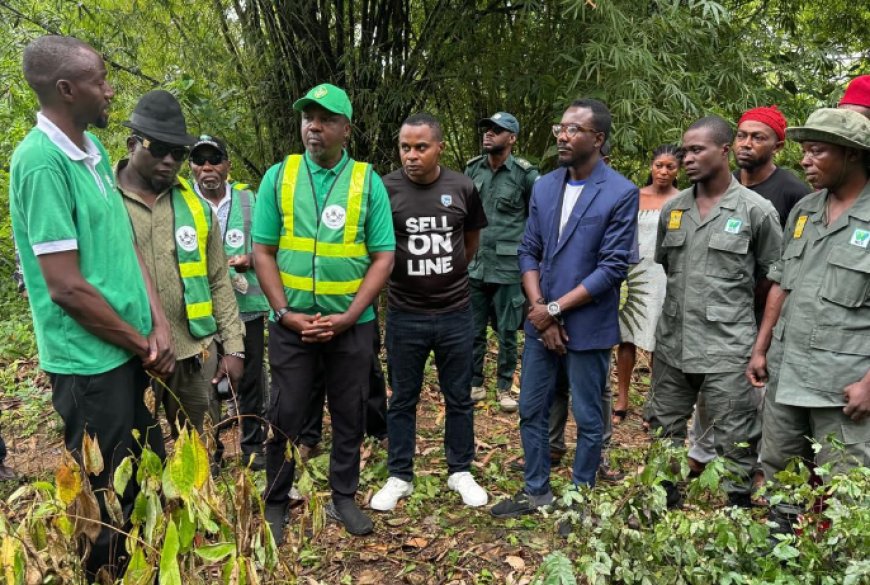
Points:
[(497, 130), (161, 149), (214, 158), (572, 130)]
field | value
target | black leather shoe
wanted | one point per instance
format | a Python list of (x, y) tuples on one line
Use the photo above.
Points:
[(7, 473), (675, 498), (276, 517), (348, 514), (740, 500)]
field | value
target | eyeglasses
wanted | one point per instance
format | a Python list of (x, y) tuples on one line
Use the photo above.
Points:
[(161, 149), (494, 129), (213, 159), (572, 130)]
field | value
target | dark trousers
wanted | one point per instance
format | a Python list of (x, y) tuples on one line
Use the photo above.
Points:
[(347, 361), (559, 413), (503, 306), (376, 405), (108, 406), (587, 373), (410, 339), (250, 395), (3, 451)]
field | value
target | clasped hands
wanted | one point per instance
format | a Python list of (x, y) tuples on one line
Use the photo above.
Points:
[(552, 334)]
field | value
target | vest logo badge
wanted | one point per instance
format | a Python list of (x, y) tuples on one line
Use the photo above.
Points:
[(185, 236), (334, 216), (235, 238), (732, 226), (860, 238), (447, 200), (676, 219)]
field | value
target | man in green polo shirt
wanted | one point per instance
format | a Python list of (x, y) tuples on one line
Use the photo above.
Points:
[(505, 186), (98, 323), (323, 249), (181, 246)]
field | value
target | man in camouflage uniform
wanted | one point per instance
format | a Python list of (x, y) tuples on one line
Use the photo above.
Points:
[(505, 186)]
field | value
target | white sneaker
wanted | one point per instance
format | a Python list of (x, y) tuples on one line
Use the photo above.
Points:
[(388, 496), (478, 393), (472, 494), (506, 400)]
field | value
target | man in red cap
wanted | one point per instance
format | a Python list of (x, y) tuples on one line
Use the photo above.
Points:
[(760, 135), (857, 96)]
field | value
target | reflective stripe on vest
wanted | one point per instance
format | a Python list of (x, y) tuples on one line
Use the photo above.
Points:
[(192, 225), (237, 241), (322, 265)]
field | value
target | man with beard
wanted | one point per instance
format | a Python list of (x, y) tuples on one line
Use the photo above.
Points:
[(181, 245), (505, 186), (233, 204), (97, 319), (812, 349), (574, 255), (717, 241)]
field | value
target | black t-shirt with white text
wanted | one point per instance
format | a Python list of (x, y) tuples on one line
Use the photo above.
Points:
[(430, 274)]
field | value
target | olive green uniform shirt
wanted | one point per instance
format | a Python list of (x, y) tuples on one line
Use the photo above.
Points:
[(821, 343), (505, 193), (712, 266), (155, 235)]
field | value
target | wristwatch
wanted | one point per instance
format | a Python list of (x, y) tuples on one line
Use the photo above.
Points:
[(555, 311), (237, 354), (280, 313)]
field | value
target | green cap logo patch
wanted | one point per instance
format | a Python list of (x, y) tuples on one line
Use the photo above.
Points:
[(732, 226), (319, 92), (860, 238)]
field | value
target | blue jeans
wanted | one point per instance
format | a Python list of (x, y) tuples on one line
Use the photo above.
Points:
[(410, 338), (587, 374)]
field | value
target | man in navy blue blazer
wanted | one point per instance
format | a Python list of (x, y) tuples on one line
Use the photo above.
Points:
[(574, 255)]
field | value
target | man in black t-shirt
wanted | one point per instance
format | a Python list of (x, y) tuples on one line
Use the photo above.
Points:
[(437, 217)]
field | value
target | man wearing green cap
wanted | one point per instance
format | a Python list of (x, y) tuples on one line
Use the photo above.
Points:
[(323, 249), (505, 186), (813, 350)]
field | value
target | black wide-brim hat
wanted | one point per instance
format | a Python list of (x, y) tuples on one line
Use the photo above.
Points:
[(158, 115)]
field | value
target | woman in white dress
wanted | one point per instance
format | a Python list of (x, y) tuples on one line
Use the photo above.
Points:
[(643, 291)]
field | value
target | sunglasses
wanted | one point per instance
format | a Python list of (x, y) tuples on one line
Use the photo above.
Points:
[(213, 159), (572, 130), (497, 130), (161, 149)]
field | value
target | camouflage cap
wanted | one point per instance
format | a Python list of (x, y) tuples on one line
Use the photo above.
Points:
[(327, 96), (834, 126)]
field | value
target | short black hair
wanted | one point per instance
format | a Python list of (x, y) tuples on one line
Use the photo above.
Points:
[(425, 119), (719, 128), (601, 118), (51, 58)]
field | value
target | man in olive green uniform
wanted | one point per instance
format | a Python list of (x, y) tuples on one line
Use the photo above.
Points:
[(817, 316), (180, 241), (717, 242), (505, 186)]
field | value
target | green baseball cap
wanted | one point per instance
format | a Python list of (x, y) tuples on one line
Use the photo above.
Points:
[(502, 120), (834, 126), (327, 96)]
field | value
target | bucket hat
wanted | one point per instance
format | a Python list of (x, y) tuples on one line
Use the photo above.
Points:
[(834, 126), (158, 115)]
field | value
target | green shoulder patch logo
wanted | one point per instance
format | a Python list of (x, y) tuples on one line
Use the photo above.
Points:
[(732, 226), (860, 238)]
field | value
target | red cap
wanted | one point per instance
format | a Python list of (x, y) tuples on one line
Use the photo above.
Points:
[(858, 92), (771, 116)]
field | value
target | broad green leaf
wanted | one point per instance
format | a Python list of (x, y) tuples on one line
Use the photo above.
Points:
[(216, 552), (170, 573), (122, 474), (68, 478)]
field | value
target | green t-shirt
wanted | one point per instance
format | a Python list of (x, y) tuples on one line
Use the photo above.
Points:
[(63, 199), (267, 221)]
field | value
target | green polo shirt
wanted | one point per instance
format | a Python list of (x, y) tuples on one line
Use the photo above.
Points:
[(821, 343), (713, 264), (505, 193), (268, 222), (61, 199)]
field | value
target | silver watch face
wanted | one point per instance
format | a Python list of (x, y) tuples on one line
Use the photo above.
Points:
[(553, 309)]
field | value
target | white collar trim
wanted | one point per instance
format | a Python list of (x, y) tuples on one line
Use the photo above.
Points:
[(91, 154)]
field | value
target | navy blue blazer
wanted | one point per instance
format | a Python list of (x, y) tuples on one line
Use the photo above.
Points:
[(595, 250)]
